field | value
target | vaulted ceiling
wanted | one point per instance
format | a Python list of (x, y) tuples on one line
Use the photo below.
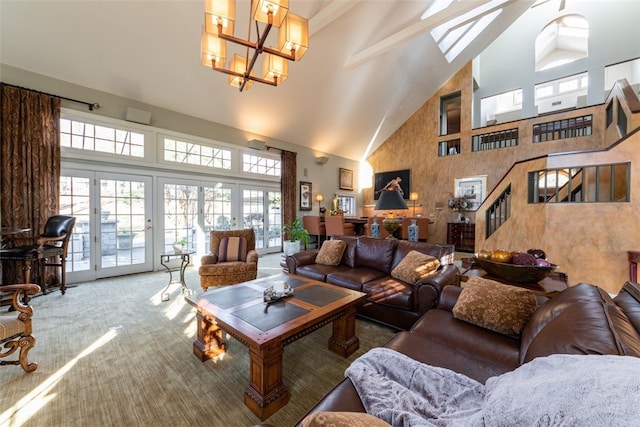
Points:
[(370, 65)]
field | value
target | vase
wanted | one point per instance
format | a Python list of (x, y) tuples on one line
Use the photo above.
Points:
[(412, 231), (375, 228)]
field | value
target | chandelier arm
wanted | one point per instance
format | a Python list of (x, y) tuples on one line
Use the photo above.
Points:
[(236, 74)]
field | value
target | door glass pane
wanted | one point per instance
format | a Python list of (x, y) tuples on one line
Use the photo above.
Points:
[(75, 199), (253, 214), (217, 209), (274, 220), (122, 223), (180, 215)]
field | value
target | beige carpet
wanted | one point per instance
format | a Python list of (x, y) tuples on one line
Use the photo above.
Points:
[(110, 353)]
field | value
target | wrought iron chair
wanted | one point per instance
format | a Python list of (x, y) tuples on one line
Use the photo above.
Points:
[(232, 259), (43, 250), (15, 331)]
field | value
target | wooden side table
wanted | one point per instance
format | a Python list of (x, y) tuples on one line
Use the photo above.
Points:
[(554, 283)]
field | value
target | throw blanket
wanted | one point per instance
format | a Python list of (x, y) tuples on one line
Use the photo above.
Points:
[(558, 390)]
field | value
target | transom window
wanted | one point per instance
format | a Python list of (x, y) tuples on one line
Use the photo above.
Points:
[(104, 139), (196, 154), (260, 165)]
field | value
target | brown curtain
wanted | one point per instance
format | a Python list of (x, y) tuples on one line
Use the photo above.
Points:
[(288, 187), (30, 159)]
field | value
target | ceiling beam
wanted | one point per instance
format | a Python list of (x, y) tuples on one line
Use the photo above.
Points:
[(329, 14)]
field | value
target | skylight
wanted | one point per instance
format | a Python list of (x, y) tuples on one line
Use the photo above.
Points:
[(457, 34)]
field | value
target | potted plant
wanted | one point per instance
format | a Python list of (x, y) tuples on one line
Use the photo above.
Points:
[(125, 238), (179, 245), (297, 233)]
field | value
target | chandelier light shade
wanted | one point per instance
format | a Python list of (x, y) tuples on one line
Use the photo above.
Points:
[(292, 41), (293, 38)]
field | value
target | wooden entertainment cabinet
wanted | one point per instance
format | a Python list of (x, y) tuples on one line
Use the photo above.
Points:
[(462, 235)]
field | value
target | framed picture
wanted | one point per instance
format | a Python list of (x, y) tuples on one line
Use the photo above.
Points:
[(473, 189), (400, 180), (346, 179), (305, 196)]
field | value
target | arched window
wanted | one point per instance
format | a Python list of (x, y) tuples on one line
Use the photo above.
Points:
[(562, 41)]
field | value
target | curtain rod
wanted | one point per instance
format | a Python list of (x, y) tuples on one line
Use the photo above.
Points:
[(91, 105)]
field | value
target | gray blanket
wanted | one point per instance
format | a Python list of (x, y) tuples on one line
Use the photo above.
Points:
[(558, 390)]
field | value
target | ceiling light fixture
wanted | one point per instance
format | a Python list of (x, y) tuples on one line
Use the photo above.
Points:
[(293, 41)]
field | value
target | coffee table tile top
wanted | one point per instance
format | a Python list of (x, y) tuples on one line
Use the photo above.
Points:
[(319, 296), (268, 316), (227, 298)]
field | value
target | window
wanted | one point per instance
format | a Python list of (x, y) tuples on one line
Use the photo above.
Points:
[(601, 183), (450, 108), (196, 154), (104, 139), (260, 165), (347, 204), (562, 41)]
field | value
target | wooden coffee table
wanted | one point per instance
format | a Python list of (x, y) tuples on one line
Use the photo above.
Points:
[(239, 310)]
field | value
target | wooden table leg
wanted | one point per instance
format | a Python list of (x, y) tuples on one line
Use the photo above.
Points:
[(209, 342), (344, 340), (266, 392)]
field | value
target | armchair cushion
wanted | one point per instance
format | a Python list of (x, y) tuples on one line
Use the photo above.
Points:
[(233, 249), (331, 252), (414, 267), (501, 308)]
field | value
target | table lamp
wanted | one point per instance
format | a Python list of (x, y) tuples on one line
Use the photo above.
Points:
[(319, 199), (413, 197), (389, 201)]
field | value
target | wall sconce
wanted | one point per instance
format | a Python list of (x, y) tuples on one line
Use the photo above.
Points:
[(321, 160)]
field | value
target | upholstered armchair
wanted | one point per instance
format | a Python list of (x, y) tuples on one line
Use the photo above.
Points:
[(232, 259), (15, 331)]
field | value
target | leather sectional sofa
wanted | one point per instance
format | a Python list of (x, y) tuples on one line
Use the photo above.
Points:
[(583, 319), (366, 266)]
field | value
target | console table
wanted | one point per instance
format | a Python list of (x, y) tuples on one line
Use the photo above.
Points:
[(462, 235), (185, 259)]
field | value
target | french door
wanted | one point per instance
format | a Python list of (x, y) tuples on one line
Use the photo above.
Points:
[(113, 231), (261, 210)]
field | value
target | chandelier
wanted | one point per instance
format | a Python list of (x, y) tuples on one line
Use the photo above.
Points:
[(293, 41)]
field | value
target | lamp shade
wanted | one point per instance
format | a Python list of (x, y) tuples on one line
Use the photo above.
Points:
[(390, 200), (275, 66), (278, 9), (220, 12), (294, 35), (213, 48), (239, 65)]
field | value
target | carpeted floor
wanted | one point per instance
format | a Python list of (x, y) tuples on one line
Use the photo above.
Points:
[(110, 353)]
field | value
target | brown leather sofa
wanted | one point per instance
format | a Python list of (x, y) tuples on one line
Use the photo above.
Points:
[(580, 320), (366, 266)]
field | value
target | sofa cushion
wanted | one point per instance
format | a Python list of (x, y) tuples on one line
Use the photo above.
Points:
[(353, 278), (391, 292), (349, 256), (444, 253), (375, 253), (331, 252), (232, 249), (414, 267), (582, 319), (342, 419), (492, 305)]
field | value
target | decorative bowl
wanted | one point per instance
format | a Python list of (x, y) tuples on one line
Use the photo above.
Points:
[(513, 272)]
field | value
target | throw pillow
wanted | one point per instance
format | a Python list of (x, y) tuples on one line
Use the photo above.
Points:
[(414, 267), (342, 419), (331, 252), (232, 249), (492, 305)]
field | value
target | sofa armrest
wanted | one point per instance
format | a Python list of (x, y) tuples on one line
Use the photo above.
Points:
[(301, 258), (449, 297), (209, 259), (427, 291), (252, 256)]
